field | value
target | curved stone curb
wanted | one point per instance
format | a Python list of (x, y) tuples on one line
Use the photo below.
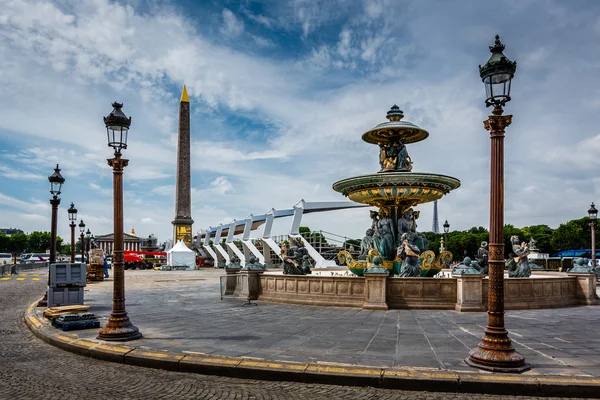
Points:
[(405, 378)]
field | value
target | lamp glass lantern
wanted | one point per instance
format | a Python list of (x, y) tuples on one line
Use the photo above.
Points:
[(72, 213), (117, 127), (593, 213), (56, 181), (446, 227), (497, 74), (81, 227), (88, 234)]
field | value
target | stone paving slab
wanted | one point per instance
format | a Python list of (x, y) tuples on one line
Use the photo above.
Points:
[(178, 313)]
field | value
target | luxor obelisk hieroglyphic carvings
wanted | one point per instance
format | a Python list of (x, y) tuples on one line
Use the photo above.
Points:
[(182, 224)]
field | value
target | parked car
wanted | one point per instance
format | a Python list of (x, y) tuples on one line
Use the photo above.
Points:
[(5, 258), (37, 258), (78, 258)]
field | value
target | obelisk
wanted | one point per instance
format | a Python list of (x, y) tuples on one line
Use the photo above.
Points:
[(182, 224)]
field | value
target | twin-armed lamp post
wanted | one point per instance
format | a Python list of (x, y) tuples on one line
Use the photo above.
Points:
[(119, 327), (446, 230), (495, 352), (82, 238), (593, 213), (56, 181), (88, 237), (72, 217)]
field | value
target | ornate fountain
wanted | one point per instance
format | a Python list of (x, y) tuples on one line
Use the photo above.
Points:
[(395, 190)]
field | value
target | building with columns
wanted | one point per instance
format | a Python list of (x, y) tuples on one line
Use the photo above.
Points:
[(106, 242)]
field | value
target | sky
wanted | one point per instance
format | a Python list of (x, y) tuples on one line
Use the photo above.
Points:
[(281, 92)]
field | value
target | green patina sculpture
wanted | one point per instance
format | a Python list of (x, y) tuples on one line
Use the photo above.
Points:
[(409, 253), (482, 258), (581, 266), (366, 244), (296, 261), (467, 267), (377, 267), (234, 263), (254, 265), (517, 264)]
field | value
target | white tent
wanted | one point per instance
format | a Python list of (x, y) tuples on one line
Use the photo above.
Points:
[(180, 256)]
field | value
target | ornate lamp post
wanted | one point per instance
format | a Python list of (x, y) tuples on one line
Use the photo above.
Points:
[(593, 213), (495, 352), (88, 238), (446, 230), (56, 181), (72, 217), (119, 327), (81, 232)]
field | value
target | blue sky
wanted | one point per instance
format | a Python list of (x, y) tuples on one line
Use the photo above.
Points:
[(281, 92)]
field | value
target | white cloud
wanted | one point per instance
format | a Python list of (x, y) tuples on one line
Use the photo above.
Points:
[(221, 185), (232, 25)]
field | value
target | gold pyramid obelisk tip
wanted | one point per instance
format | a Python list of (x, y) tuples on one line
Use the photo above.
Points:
[(184, 96)]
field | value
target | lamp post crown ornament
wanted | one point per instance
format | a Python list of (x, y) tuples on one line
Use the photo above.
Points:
[(593, 212), (117, 126), (497, 74), (56, 181), (72, 213)]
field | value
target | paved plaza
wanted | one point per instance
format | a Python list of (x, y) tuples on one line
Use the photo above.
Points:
[(32, 369), (182, 312)]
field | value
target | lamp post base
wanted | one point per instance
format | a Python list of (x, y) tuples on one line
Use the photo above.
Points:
[(119, 329), (497, 354), (43, 301)]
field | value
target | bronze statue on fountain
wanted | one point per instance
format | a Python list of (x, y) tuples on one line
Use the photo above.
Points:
[(296, 260)]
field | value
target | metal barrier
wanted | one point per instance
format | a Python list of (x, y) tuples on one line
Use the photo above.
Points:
[(14, 269)]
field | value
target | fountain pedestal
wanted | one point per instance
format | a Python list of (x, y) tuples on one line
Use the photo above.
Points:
[(375, 291)]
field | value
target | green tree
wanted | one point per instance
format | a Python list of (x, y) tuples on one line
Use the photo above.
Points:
[(18, 242), (575, 234), (434, 240), (39, 242), (4, 243)]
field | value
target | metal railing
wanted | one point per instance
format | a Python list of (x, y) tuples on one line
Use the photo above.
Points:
[(13, 269)]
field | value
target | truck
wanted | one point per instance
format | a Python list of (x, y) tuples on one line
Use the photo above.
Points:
[(136, 259)]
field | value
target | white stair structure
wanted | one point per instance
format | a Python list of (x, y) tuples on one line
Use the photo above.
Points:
[(231, 247), (217, 245), (206, 245), (249, 247), (252, 222)]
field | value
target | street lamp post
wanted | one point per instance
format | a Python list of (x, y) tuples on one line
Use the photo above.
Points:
[(593, 213), (72, 217), (56, 181), (446, 230), (81, 232), (88, 237), (119, 327), (495, 352)]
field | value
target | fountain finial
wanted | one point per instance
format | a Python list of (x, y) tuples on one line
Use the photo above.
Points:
[(395, 113)]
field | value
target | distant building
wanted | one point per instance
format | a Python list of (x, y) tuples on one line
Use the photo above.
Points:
[(10, 231), (106, 242)]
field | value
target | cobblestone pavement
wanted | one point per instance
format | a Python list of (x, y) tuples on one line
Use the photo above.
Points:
[(32, 369)]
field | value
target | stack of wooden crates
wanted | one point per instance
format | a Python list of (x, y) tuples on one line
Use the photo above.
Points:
[(96, 270)]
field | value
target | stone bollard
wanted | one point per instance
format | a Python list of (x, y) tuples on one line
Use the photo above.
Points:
[(254, 284), (586, 288), (375, 290), (469, 290)]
